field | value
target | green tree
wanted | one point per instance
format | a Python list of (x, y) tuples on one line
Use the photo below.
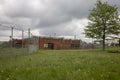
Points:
[(104, 20)]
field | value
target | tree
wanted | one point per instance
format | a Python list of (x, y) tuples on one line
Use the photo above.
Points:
[(104, 20)]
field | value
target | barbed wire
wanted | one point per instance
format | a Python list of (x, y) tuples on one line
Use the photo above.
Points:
[(14, 27), (25, 33)]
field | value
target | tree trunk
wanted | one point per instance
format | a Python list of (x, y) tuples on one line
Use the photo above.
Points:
[(103, 42), (119, 42), (104, 38)]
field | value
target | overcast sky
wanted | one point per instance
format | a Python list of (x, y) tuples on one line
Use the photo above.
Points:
[(66, 18)]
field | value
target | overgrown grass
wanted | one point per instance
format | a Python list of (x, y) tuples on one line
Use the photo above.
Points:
[(62, 65), (12, 52)]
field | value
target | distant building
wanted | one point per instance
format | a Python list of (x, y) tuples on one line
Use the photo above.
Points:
[(58, 43), (17, 43), (49, 43), (109, 41)]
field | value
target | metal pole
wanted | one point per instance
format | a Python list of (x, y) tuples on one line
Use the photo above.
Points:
[(11, 37), (54, 35), (38, 42), (75, 37), (22, 38), (28, 38)]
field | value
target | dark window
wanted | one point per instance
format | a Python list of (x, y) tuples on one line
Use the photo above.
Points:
[(75, 45), (50, 45)]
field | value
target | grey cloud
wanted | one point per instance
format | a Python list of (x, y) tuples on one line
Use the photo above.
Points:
[(75, 8), (49, 12), (49, 16), (53, 12), (2, 2), (66, 29), (21, 8), (61, 11)]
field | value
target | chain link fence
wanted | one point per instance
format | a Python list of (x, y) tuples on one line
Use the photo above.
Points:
[(15, 42)]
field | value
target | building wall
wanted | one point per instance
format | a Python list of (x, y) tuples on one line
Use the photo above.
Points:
[(51, 43), (58, 43)]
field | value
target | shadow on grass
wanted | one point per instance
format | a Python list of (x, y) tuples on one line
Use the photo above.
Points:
[(114, 51)]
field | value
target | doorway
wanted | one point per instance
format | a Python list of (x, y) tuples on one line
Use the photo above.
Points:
[(50, 46)]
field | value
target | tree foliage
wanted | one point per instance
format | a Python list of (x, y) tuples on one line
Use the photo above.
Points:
[(104, 20)]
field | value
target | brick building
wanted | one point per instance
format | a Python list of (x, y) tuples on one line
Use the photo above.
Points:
[(17, 43), (50, 43), (58, 43)]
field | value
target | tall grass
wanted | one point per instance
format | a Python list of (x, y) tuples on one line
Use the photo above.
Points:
[(6, 53), (62, 65)]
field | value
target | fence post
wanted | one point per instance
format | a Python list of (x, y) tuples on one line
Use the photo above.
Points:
[(28, 38), (22, 38), (38, 42), (74, 37), (11, 37)]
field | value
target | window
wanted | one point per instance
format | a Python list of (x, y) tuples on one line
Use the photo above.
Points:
[(75, 45), (45, 45)]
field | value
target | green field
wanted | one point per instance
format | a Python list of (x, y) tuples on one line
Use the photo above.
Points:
[(62, 65)]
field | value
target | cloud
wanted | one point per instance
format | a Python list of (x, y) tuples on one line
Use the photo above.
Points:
[(72, 28), (46, 17), (47, 13)]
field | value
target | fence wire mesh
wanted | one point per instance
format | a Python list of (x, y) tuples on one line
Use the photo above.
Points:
[(16, 42)]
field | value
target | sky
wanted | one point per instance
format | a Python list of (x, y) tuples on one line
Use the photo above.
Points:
[(57, 18)]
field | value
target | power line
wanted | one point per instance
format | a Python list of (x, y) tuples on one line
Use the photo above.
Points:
[(14, 28)]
